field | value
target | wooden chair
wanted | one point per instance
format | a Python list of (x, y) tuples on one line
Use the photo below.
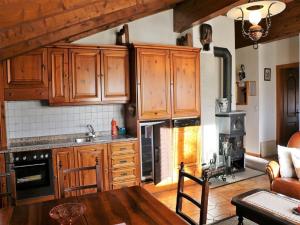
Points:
[(9, 196), (204, 196), (64, 172)]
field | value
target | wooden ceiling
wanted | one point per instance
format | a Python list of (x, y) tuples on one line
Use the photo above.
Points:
[(29, 24)]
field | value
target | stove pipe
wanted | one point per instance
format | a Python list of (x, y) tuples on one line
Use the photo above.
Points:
[(227, 72)]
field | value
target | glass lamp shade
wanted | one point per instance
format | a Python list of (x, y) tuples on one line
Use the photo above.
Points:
[(253, 10)]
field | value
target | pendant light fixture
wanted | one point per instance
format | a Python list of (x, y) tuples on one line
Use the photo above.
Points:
[(254, 11)]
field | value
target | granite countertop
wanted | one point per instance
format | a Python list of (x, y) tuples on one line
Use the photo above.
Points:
[(61, 141)]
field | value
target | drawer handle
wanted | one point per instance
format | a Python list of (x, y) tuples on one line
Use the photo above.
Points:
[(123, 161), (123, 174), (122, 148)]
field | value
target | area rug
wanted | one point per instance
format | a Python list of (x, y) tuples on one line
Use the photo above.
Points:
[(233, 221), (248, 173)]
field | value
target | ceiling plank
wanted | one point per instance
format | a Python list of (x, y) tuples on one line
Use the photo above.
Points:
[(102, 22), (15, 12), (193, 12), (26, 31), (284, 25)]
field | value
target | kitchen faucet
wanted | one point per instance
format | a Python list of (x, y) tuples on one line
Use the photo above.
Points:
[(92, 132)]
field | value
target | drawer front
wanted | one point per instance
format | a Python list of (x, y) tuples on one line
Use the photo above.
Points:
[(124, 184), (123, 161), (123, 175), (122, 148)]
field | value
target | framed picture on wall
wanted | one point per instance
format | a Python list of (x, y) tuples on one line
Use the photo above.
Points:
[(267, 74)]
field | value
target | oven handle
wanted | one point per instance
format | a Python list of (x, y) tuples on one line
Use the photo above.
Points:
[(24, 166)]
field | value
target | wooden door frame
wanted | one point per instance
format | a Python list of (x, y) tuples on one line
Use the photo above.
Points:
[(279, 94)]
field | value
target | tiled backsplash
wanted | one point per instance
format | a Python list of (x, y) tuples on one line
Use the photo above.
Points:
[(31, 118)]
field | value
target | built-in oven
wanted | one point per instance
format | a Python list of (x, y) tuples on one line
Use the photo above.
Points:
[(34, 173)]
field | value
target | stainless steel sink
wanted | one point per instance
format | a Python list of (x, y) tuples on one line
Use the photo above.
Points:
[(82, 140)]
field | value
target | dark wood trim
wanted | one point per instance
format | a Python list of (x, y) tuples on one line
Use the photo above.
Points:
[(279, 94)]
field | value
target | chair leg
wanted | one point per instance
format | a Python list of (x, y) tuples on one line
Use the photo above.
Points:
[(241, 220)]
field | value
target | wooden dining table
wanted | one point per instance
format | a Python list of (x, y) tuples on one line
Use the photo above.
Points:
[(130, 206)]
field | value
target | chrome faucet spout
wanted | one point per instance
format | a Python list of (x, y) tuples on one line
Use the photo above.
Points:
[(91, 129)]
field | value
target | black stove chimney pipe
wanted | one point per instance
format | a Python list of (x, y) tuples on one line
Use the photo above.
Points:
[(227, 72)]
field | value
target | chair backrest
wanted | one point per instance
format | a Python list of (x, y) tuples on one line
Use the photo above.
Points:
[(204, 196), (65, 172), (9, 196)]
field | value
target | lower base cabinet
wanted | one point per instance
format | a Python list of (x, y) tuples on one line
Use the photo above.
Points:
[(3, 201), (119, 160)]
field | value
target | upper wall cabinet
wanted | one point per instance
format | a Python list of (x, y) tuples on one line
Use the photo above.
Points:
[(185, 83), (153, 79), (59, 75), (85, 75), (168, 82), (115, 75), (88, 75), (26, 76)]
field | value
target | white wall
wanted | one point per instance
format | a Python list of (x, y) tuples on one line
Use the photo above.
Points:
[(268, 55), (249, 57), (210, 71), (156, 29)]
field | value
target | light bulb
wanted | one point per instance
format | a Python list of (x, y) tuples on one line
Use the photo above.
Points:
[(255, 17)]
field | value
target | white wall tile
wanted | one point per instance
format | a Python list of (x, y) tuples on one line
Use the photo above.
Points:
[(31, 118)]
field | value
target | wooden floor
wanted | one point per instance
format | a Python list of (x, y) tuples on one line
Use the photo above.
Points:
[(219, 206)]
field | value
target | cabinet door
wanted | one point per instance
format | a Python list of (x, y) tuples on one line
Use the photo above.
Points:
[(59, 75), (85, 75), (66, 156), (115, 75), (86, 156), (26, 76), (185, 81), (27, 71), (3, 201), (186, 147), (153, 68)]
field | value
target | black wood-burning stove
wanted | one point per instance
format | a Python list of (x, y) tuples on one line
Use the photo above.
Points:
[(231, 128)]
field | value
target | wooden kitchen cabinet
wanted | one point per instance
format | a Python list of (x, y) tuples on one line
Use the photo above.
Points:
[(67, 157), (3, 201), (59, 87), (26, 76), (153, 79), (124, 166), (185, 83), (86, 156), (115, 75), (186, 148), (85, 75)]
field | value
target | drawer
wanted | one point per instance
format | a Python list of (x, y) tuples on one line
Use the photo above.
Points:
[(122, 148), (123, 175), (124, 184), (123, 161)]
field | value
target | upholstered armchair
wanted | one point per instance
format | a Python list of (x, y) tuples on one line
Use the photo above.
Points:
[(285, 186)]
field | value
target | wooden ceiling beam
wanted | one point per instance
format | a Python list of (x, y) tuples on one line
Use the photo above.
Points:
[(14, 12), (193, 12), (26, 31), (284, 25), (84, 28)]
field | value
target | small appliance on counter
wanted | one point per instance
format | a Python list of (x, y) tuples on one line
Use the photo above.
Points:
[(34, 173)]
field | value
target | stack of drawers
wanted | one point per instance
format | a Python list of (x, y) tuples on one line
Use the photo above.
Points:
[(124, 161)]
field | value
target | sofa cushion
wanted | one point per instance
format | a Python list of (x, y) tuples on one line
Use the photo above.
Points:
[(287, 169), (287, 186), (296, 162)]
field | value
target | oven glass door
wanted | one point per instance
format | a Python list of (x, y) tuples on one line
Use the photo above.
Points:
[(32, 174)]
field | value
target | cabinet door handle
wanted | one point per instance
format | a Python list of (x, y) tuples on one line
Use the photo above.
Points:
[(43, 66)]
